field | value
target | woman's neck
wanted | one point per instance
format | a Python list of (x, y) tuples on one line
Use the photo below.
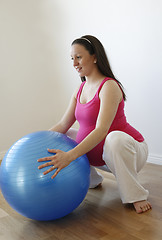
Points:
[(94, 78)]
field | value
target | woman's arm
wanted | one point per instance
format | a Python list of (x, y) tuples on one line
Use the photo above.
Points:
[(68, 118), (110, 97)]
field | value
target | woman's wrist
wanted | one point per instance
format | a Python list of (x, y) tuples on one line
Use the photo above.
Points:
[(72, 155)]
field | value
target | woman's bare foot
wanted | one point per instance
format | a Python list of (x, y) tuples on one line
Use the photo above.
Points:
[(142, 206)]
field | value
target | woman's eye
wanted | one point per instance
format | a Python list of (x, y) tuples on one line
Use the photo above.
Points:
[(77, 57)]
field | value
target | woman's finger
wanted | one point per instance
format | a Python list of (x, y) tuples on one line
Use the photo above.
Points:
[(49, 170), (52, 150), (55, 174), (45, 165), (44, 159), (47, 158)]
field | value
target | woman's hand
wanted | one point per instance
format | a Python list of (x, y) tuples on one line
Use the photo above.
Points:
[(58, 161)]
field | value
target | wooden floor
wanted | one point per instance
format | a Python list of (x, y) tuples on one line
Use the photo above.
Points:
[(101, 216)]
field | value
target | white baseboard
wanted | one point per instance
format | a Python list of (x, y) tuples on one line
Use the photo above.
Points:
[(155, 159)]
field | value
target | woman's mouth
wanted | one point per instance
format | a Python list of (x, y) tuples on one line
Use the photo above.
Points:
[(78, 69)]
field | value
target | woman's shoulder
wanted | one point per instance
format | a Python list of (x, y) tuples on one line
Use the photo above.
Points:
[(110, 83), (111, 86)]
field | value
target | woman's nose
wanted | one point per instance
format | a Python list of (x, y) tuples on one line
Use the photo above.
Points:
[(75, 62)]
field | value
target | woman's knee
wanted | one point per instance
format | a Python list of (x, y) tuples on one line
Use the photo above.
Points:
[(115, 141)]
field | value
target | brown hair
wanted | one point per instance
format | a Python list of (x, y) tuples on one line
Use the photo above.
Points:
[(94, 46)]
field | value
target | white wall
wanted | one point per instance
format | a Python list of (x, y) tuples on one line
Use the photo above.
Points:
[(36, 74)]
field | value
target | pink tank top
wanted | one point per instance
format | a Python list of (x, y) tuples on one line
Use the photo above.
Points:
[(86, 114)]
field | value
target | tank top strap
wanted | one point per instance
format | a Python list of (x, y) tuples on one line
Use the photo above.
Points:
[(102, 83), (98, 91), (80, 90)]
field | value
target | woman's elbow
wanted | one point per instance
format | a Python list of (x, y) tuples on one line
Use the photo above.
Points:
[(103, 132)]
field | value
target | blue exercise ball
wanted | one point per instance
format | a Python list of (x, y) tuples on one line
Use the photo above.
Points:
[(35, 195)]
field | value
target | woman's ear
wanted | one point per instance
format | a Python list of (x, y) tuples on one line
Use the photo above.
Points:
[(95, 59)]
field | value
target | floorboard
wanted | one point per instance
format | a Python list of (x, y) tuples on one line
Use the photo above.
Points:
[(101, 216)]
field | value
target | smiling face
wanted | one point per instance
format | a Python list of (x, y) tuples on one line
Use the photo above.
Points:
[(83, 62)]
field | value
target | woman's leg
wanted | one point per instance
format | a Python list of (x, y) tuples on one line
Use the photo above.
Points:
[(72, 133), (96, 178), (125, 157)]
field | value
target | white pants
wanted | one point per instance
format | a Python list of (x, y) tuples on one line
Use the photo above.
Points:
[(124, 157)]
